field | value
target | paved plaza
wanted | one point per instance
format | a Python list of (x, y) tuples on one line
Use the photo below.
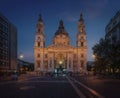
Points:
[(38, 87), (87, 86)]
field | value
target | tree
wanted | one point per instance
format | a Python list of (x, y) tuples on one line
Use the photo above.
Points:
[(107, 56)]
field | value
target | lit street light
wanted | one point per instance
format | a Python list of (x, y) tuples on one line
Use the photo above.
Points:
[(21, 56), (21, 62), (94, 56)]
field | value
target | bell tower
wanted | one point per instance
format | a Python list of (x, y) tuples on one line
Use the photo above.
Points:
[(81, 35), (40, 37), (81, 45), (39, 45)]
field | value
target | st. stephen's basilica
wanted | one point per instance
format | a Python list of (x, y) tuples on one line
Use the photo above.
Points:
[(60, 55)]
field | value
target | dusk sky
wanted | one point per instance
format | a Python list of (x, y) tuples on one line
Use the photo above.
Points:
[(25, 13)]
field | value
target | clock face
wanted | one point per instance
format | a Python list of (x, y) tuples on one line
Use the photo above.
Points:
[(39, 39)]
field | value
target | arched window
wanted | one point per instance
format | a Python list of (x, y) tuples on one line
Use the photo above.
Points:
[(38, 64), (38, 44), (82, 64), (82, 55), (38, 29), (38, 55), (82, 44)]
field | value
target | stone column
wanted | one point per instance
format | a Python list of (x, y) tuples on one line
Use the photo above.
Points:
[(78, 61), (67, 62), (52, 62), (42, 63), (72, 62), (48, 63)]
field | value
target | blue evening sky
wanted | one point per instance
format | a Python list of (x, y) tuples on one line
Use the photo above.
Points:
[(25, 13)]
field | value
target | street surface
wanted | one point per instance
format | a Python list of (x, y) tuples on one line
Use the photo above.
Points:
[(38, 87), (84, 86), (107, 87)]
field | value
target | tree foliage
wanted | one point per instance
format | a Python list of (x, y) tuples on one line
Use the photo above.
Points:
[(107, 56)]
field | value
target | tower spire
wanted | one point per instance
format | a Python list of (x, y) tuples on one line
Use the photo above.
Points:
[(61, 25), (81, 17), (40, 18)]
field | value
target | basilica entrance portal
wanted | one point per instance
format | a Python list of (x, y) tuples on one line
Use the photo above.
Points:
[(60, 63)]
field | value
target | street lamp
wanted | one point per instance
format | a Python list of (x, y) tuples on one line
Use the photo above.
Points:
[(21, 56), (93, 56), (60, 62)]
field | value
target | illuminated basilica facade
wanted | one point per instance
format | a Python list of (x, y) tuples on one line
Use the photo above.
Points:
[(60, 54)]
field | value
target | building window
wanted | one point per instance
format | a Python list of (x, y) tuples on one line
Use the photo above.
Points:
[(38, 55), (50, 62), (38, 64), (69, 66), (82, 63), (38, 43), (82, 43), (46, 56), (82, 55), (39, 30), (50, 65)]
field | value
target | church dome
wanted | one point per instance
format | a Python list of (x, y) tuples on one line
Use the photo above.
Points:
[(61, 29), (61, 36)]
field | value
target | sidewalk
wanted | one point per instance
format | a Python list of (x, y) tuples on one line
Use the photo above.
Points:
[(10, 78), (106, 86)]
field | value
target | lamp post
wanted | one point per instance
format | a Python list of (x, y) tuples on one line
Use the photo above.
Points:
[(21, 56), (94, 56), (21, 62)]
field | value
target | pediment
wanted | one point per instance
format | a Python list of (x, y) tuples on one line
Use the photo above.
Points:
[(60, 46)]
